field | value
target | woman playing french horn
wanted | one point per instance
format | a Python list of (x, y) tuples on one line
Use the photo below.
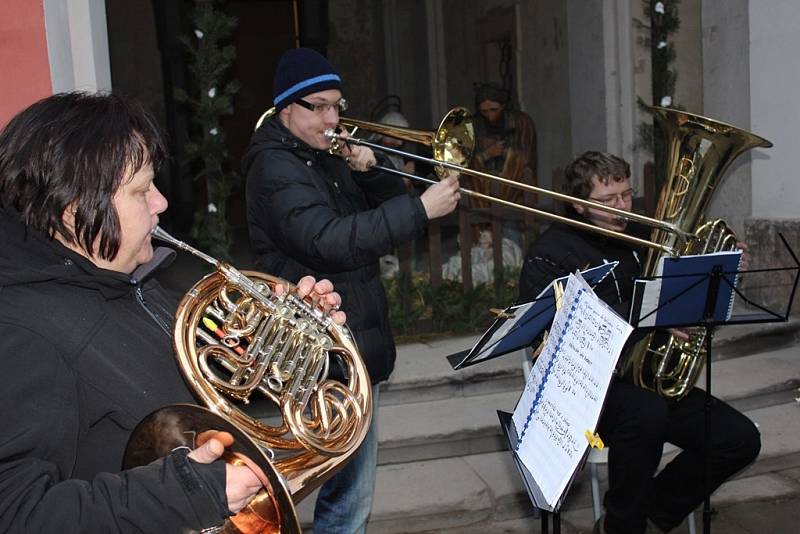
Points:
[(85, 330)]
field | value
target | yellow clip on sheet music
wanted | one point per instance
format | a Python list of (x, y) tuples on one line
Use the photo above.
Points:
[(594, 440)]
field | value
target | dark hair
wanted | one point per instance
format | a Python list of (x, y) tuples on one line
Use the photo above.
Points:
[(73, 150), (578, 174), (489, 91)]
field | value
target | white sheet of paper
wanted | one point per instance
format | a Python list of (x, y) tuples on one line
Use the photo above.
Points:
[(566, 388)]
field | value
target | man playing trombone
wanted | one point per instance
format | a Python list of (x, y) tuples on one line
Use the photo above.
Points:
[(311, 211)]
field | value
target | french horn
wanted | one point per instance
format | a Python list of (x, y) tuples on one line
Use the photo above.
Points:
[(240, 343)]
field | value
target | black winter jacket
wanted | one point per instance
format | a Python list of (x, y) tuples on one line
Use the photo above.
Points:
[(86, 354), (563, 249), (308, 214)]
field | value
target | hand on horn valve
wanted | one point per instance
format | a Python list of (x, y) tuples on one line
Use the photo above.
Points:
[(322, 295), (241, 483)]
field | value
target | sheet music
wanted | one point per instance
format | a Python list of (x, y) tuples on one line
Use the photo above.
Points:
[(566, 388), (524, 322)]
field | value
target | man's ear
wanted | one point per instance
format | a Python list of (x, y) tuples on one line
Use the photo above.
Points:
[(284, 114), (578, 208)]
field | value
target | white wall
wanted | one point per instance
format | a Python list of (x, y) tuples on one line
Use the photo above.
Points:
[(587, 75), (618, 44), (601, 66), (726, 97), (77, 45), (775, 107)]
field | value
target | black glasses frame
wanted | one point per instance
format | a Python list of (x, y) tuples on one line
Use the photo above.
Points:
[(340, 106), (629, 193)]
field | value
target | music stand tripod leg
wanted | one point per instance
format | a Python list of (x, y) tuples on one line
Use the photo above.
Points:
[(707, 443)]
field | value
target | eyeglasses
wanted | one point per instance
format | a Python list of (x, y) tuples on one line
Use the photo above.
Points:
[(610, 200), (322, 109)]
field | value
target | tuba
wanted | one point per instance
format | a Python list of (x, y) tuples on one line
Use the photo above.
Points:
[(699, 151), (245, 348)]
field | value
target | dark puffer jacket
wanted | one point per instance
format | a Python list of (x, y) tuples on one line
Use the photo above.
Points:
[(308, 214), (563, 249), (86, 354)]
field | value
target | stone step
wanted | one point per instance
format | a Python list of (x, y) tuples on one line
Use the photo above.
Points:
[(467, 424), (459, 494), (735, 341), (443, 463), (756, 375), (422, 372), (442, 428)]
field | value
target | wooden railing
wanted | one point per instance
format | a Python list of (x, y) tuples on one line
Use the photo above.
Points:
[(464, 221)]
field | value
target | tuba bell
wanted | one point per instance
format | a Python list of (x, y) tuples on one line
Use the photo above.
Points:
[(699, 151), (258, 359)]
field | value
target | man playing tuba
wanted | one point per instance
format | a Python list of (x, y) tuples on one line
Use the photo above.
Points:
[(636, 422)]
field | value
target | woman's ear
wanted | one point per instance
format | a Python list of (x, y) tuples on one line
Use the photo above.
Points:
[(69, 238), (68, 216)]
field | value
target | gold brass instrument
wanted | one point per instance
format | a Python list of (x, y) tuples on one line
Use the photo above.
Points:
[(699, 151), (452, 142), (452, 145), (238, 340), (452, 160), (177, 426)]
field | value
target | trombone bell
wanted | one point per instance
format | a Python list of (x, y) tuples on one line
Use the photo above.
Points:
[(452, 142)]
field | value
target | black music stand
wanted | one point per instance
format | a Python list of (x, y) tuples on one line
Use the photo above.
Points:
[(701, 295), (519, 325), (586, 333), (530, 486)]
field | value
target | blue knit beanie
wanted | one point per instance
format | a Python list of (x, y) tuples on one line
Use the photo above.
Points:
[(300, 72)]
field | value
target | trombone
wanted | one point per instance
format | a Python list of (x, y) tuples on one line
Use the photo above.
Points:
[(452, 144)]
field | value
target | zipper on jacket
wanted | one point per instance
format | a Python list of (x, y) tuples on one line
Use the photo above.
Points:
[(153, 315)]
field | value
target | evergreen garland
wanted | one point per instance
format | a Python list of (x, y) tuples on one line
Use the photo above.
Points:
[(210, 61), (655, 35)]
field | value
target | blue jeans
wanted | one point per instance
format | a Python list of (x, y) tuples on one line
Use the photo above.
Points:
[(345, 500)]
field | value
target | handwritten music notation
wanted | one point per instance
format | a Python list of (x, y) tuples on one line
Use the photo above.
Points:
[(566, 388)]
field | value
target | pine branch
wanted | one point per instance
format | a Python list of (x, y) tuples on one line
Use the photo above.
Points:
[(210, 61)]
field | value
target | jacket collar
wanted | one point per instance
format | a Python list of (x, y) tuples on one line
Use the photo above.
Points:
[(30, 257), (276, 131)]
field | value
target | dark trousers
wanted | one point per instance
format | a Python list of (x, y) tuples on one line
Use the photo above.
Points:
[(636, 423)]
